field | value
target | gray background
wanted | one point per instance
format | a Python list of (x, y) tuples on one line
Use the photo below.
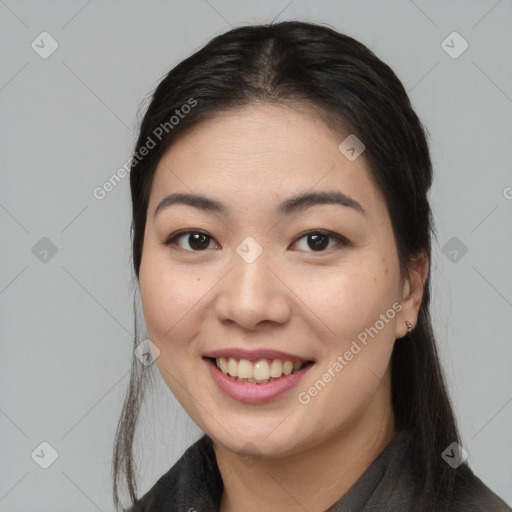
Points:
[(69, 122)]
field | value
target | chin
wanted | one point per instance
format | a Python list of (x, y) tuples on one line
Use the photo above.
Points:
[(278, 440)]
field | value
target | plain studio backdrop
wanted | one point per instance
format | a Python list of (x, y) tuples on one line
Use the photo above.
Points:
[(72, 78)]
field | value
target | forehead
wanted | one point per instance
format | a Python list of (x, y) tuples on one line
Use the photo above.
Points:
[(257, 153)]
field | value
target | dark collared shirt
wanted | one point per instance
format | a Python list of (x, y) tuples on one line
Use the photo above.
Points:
[(194, 484)]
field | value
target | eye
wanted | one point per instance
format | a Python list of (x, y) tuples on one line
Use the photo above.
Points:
[(197, 240), (318, 240)]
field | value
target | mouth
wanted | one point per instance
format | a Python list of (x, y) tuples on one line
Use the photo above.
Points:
[(257, 380)]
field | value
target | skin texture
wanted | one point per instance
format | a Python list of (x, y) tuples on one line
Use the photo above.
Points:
[(294, 298)]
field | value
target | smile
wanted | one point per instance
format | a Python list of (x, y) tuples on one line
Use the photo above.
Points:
[(257, 381)]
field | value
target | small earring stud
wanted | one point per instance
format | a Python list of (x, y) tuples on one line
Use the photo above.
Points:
[(409, 326)]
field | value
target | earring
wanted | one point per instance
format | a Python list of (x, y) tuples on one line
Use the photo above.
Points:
[(409, 326)]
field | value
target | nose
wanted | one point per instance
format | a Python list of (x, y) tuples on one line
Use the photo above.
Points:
[(253, 294)]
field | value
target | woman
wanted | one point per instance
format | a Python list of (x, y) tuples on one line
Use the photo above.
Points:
[(281, 244)]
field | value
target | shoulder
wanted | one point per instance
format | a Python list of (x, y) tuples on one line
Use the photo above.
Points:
[(470, 494), (194, 478)]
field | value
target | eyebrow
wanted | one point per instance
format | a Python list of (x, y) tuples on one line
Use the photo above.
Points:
[(294, 204)]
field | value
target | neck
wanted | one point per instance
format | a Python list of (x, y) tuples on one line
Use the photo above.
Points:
[(313, 479)]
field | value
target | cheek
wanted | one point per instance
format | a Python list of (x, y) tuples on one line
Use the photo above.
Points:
[(170, 302), (168, 298), (358, 344), (350, 299), (360, 308)]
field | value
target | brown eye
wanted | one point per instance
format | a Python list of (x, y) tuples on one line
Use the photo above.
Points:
[(318, 241), (196, 240)]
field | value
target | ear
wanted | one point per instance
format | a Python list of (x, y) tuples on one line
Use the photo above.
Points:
[(412, 294)]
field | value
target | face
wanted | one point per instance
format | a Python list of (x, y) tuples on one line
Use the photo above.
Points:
[(261, 278)]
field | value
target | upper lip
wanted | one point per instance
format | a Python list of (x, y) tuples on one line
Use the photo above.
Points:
[(254, 355)]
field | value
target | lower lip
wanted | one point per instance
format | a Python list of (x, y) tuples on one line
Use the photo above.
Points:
[(251, 392)]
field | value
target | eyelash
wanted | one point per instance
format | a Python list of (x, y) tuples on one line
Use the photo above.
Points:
[(342, 241)]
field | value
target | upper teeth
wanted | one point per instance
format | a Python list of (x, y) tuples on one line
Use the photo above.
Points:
[(257, 371)]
